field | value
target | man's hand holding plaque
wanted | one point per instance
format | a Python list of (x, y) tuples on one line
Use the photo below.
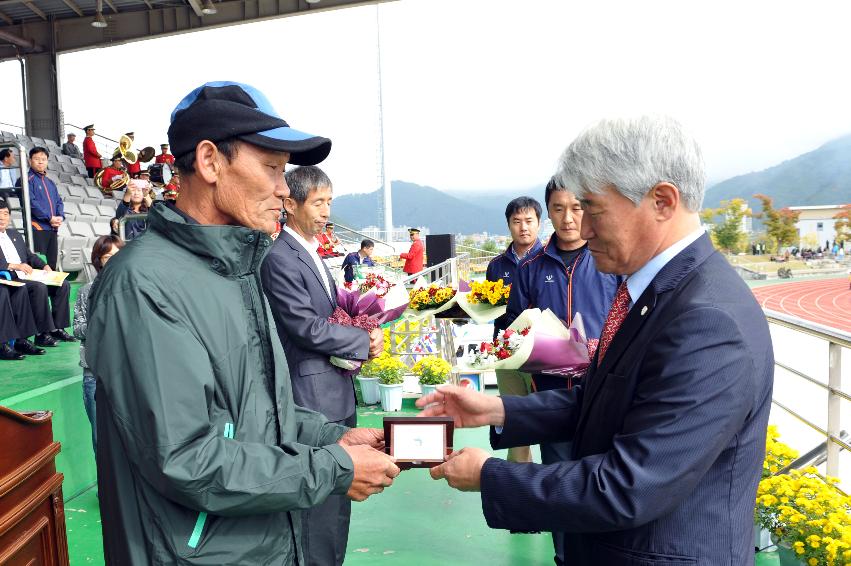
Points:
[(463, 468)]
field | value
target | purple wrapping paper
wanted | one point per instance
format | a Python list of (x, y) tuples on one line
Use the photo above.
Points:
[(355, 304), (554, 354)]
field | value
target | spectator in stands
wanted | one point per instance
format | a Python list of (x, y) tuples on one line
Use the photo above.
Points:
[(104, 248), (71, 149), (49, 304), (135, 201), (47, 210), (164, 156), (195, 413), (302, 296), (91, 156), (9, 172), (362, 256), (523, 215), (414, 256)]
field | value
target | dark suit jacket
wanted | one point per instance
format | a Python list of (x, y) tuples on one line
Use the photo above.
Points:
[(27, 256), (668, 433), (301, 308)]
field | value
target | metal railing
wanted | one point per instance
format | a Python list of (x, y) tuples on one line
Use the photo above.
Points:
[(836, 341), (130, 217)]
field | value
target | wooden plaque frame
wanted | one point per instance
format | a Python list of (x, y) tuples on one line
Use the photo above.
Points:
[(405, 464)]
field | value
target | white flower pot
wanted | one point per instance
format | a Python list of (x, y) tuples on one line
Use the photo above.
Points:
[(391, 397), (369, 389), (428, 389)]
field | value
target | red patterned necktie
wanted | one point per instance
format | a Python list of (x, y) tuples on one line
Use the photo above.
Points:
[(617, 314)]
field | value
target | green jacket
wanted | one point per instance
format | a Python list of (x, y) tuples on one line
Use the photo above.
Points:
[(203, 458)]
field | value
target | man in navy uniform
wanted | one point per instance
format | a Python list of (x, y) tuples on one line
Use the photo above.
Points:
[(362, 256), (523, 215)]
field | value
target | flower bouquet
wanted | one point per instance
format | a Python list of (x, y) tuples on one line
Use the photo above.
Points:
[(372, 281), (368, 311), (486, 301), (538, 342), (431, 300)]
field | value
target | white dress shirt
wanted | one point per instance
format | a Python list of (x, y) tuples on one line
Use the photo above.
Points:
[(310, 248), (9, 250), (8, 177)]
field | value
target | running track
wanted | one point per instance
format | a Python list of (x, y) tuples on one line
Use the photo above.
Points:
[(826, 301)]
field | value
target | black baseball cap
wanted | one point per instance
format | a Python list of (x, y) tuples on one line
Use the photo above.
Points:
[(220, 110)]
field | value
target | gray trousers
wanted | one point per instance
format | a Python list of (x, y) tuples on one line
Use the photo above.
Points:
[(325, 527)]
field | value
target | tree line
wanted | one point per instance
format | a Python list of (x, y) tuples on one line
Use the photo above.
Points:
[(780, 229)]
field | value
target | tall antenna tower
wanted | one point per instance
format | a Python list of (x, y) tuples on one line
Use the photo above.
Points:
[(383, 178)]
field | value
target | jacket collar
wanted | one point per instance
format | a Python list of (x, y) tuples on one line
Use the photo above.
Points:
[(668, 278), (305, 258), (533, 251), (231, 250), (552, 250)]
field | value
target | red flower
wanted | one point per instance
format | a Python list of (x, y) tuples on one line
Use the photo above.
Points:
[(507, 333), (485, 347), (525, 331), (503, 354)]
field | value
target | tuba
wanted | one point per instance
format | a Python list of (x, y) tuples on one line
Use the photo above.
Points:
[(127, 153), (116, 182)]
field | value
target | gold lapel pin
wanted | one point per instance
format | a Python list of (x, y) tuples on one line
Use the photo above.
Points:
[(644, 310)]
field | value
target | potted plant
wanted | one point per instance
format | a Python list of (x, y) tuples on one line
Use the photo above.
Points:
[(390, 371), (368, 383), (432, 371), (808, 517)]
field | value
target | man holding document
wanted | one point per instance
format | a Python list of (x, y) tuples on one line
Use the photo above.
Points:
[(51, 317), (668, 426)]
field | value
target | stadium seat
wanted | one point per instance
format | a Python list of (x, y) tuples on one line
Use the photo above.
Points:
[(63, 190), (101, 228), (72, 198), (69, 216), (62, 158), (65, 177), (69, 168), (77, 191), (81, 229), (79, 180), (117, 195), (14, 203), (107, 208), (71, 207), (93, 192), (71, 253), (54, 176), (78, 161), (54, 166), (92, 201), (38, 141), (88, 209), (64, 232), (81, 169), (17, 218)]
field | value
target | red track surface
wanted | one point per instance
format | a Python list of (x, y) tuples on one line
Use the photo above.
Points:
[(826, 302)]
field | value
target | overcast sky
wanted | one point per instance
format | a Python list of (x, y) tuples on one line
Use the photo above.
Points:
[(484, 94)]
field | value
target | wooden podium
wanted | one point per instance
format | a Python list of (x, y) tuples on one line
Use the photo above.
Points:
[(32, 515)]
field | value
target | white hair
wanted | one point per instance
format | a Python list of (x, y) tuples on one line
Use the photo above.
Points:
[(633, 155)]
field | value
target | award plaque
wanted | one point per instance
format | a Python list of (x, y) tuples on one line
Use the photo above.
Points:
[(418, 442)]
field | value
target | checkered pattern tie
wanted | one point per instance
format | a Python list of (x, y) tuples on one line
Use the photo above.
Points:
[(617, 314)]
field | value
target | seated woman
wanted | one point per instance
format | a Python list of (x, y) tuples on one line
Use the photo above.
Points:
[(136, 201)]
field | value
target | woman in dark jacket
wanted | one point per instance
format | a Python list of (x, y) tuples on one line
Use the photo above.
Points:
[(136, 201)]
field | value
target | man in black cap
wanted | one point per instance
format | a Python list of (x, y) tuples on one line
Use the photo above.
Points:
[(91, 156), (164, 156), (203, 457)]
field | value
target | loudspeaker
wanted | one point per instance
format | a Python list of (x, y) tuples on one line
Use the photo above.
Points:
[(439, 248)]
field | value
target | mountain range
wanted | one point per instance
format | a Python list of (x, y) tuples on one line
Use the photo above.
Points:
[(819, 177)]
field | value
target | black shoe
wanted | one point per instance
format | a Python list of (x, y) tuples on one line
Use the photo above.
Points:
[(7, 353), (62, 336), (44, 340), (28, 348)]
